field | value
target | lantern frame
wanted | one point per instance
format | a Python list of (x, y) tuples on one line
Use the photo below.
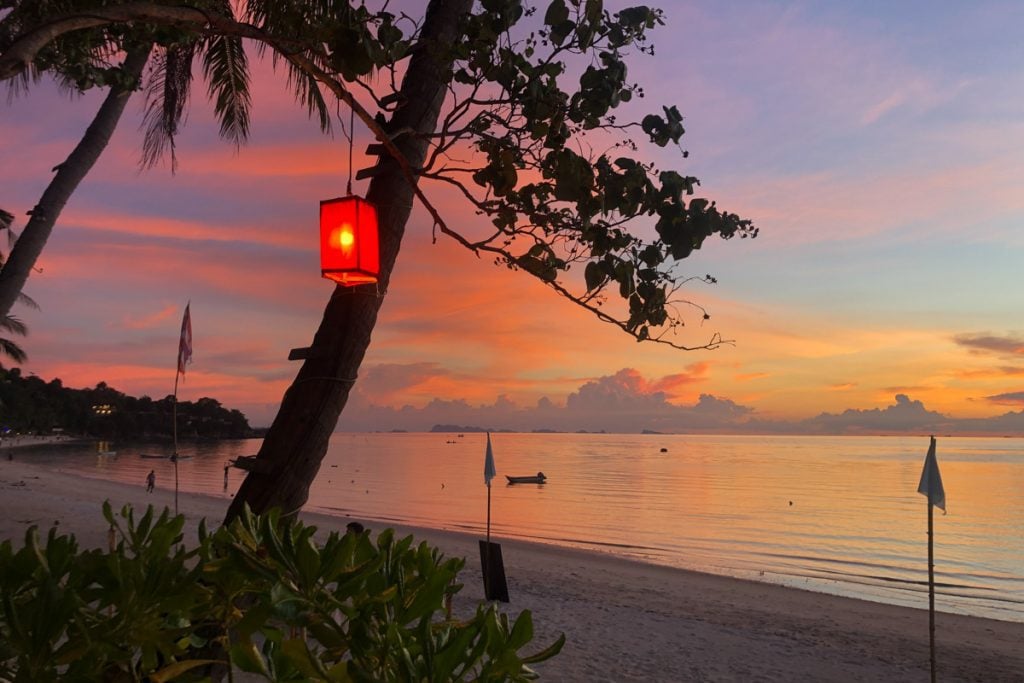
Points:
[(349, 241)]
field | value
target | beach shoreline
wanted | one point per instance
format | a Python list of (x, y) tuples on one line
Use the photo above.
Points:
[(21, 441), (624, 620)]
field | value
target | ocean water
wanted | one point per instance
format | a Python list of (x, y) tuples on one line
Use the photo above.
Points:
[(833, 514)]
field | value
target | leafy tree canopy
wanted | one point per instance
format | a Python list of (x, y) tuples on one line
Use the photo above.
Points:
[(30, 404), (541, 133)]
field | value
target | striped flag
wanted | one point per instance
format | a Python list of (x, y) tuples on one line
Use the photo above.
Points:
[(931, 480), (489, 470), (185, 343)]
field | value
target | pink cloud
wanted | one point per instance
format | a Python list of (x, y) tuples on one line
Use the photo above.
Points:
[(159, 226), (822, 206), (151, 320)]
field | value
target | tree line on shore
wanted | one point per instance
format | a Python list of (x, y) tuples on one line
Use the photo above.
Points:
[(29, 404)]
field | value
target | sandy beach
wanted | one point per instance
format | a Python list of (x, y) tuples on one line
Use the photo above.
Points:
[(624, 621)]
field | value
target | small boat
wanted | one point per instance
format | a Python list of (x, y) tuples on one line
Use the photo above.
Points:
[(538, 478), (153, 455)]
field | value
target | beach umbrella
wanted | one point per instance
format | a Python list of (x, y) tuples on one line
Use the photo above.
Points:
[(931, 487)]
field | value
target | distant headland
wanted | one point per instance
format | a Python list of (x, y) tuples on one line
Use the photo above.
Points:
[(30, 405)]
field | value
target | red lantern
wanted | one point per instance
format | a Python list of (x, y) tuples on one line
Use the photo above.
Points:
[(349, 248)]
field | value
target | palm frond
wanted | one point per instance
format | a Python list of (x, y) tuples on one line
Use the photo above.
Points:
[(167, 92), (6, 220), (13, 325), (308, 93), (291, 20), (19, 85), (12, 351), (227, 74), (26, 300)]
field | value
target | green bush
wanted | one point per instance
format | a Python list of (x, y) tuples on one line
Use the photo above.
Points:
[(260, 593)]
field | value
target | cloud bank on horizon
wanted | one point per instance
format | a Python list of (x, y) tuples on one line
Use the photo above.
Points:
[(627, 403)]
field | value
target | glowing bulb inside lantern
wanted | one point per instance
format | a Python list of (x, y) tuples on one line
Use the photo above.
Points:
[(344, 237)]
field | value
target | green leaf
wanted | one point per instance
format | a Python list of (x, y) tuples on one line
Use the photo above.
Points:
[(547, 653), (522, 630), (593, 275), (297, 651), (178, 668), (573, 176), (556, 14), (561, 31), (247, 657)]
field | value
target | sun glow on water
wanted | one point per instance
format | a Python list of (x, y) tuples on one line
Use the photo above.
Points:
[(834, 514)]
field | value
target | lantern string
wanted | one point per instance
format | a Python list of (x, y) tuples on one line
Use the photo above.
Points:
[(351, 142)]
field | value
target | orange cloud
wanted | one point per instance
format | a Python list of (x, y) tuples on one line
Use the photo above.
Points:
[(989, 373), (751, 376)]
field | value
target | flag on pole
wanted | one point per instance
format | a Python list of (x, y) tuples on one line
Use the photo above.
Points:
[(185, 343), (931, 480), (489, 470)]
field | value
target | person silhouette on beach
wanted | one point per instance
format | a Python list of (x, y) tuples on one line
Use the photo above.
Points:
[(150, 481)]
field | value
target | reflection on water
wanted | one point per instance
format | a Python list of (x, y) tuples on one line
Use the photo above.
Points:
[(836, 514)]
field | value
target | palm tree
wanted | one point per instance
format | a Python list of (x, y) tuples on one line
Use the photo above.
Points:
[(8, 323), (79, 64), (29, 245)]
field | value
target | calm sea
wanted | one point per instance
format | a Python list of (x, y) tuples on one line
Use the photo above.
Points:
[(832, 514)]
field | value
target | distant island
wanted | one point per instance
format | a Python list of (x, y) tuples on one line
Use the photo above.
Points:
[(460, 429), (30, 405), (451, 429)]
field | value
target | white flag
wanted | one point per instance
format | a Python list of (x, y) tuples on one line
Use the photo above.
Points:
[(931, 480), (489, 470)]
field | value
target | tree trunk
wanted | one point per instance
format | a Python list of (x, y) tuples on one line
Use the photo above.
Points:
[(293, 449), (37, 231)]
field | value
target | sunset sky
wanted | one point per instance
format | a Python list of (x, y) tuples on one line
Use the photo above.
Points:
[(878, 147)]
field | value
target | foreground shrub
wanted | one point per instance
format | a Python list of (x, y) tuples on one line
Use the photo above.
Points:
[(260, 594)]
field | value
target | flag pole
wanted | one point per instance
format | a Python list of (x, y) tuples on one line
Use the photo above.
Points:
[(489, 472), (184, 356), (931, 487), (174, 453), (931, 591), (487, 574)]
